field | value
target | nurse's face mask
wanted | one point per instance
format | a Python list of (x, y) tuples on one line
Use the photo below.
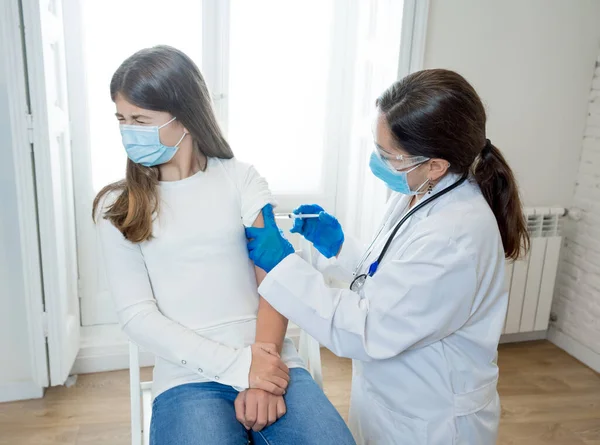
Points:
[(393, 169), (143, 146)]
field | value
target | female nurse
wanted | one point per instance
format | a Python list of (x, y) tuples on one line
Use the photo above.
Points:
[(426, 305)]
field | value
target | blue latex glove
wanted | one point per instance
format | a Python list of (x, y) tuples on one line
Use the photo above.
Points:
[(325, 232), (267, 246)]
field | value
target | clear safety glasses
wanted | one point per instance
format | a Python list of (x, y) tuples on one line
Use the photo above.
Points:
[(399, 162)]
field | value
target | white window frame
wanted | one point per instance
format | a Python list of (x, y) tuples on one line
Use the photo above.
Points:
[(414, 37)]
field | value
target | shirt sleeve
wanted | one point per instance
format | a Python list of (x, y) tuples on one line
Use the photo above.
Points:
[(343, 266), (146, 326), (411, 302), (254, 192)]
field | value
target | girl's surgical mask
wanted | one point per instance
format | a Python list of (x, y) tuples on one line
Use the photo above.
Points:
[(395, 180), (143, 145)]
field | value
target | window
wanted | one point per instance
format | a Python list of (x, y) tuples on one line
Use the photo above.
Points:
[(294, 85), (277, 101), (279, 69)]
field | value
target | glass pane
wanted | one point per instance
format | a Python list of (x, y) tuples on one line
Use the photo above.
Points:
[(112, 31), (279, 73)]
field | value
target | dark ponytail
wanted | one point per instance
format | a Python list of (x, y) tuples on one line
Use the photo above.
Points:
[(438, 114), (499, 188)]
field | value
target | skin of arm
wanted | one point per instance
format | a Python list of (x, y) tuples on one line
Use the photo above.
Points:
[(256, 408), (271, 326)]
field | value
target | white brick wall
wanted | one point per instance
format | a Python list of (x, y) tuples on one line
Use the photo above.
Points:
[(577, 295)]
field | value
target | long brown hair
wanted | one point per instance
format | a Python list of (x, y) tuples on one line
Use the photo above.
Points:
[(161, 78), (438, 114)]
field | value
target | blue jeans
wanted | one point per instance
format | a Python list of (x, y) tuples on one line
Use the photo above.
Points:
[(203, 414)]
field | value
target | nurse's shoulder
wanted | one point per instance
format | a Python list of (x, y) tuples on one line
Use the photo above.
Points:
[(463, 218)]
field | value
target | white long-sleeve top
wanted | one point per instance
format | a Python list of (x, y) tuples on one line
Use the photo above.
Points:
[(189, 294)]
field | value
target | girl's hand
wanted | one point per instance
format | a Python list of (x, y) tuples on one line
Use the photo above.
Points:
[(257, 409), (267, 370)]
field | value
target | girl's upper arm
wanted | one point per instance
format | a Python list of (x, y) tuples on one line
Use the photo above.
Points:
[(254, 194)]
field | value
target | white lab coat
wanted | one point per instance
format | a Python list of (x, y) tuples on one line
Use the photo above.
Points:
[(423, 331)]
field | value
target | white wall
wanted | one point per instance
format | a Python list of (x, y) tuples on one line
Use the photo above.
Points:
[(532, 62), (577, 296)]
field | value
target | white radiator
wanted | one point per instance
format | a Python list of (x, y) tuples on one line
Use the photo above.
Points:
[(531, 280)]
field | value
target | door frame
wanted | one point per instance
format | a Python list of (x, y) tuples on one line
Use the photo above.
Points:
[(42, 22), (20, 127)]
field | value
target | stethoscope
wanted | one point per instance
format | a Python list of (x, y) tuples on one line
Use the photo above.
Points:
[(359, 281)]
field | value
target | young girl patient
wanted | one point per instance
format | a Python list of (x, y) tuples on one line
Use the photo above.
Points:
[(174, 247)]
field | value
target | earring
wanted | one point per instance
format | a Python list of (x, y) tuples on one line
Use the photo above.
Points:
[(430, 187)]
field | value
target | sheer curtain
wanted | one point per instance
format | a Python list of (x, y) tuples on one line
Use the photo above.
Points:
[(280, 66), (379, 28)]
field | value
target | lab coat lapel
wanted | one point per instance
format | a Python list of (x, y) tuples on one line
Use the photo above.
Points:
[(445, 182), (402, 203)]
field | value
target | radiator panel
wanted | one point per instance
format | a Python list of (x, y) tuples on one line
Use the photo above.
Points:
[(531, 280)]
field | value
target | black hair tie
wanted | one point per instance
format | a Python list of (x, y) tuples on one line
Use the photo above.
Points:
[(487, 149)]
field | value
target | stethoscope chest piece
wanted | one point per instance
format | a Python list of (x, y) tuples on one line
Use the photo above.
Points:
[(359, 281)]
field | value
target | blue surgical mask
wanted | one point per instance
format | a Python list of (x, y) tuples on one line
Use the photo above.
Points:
[(143, 145), (395, 180)]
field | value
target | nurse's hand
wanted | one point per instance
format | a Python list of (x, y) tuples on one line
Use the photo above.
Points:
[(325, 232), (257, 409), (267, 370), (267, 246)]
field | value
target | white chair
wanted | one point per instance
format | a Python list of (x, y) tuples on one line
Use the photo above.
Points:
[(141, 392), (141, 400)]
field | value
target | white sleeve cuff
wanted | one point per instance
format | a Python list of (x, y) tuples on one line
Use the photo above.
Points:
[(349, 255), (341, 267), (236, 375)]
